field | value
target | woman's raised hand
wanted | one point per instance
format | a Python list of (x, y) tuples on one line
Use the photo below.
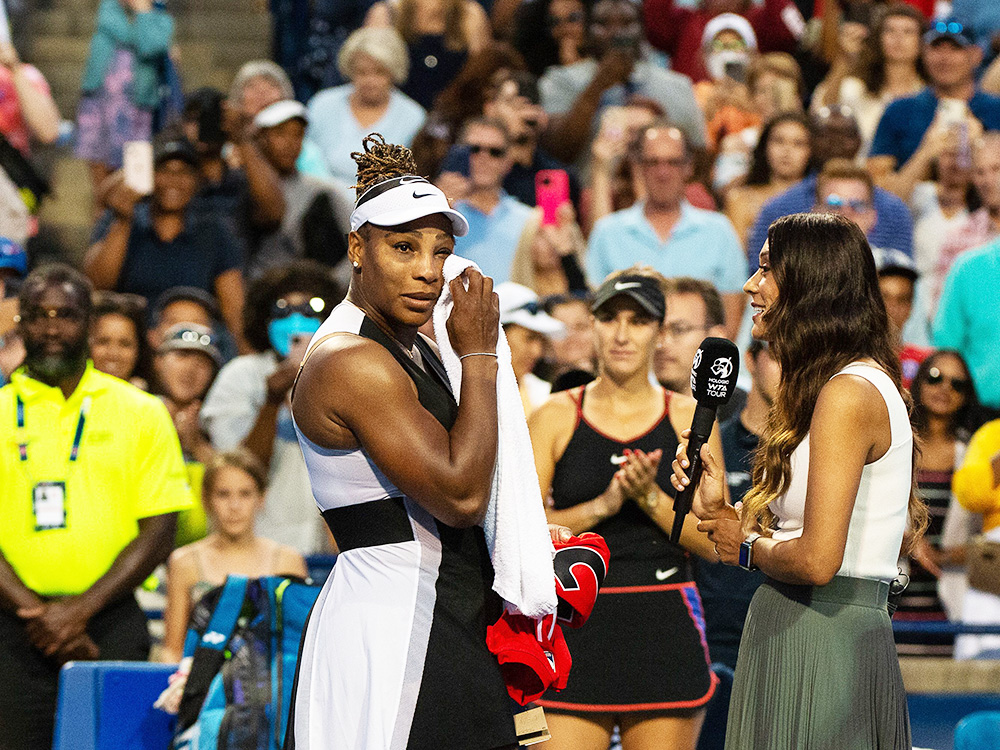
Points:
[(474, 323), (710, 495)]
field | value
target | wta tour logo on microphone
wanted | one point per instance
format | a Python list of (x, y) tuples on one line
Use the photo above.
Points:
[(714, 381)]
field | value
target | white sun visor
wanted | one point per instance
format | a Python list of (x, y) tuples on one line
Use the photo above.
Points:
[(402, 199)]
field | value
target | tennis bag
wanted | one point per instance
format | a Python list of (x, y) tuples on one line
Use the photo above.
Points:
[(244, 640)]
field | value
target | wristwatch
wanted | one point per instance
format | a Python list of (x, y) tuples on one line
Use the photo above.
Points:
[(746, 552)]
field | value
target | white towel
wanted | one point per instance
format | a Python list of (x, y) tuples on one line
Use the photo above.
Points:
[(516, 530)]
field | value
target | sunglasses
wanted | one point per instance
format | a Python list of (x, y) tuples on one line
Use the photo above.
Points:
[(856, 204), (951, 27), (959, 385), (574, 17), (495, 151), (312, 309)]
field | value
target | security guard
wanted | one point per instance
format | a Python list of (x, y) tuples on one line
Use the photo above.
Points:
[(91, 480)]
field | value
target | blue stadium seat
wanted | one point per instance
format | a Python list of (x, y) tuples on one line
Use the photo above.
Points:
[(977, 731), (934, 716), (713, 731), (108, 705)]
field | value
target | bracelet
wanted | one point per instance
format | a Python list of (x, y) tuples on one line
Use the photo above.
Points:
[(477, 354)]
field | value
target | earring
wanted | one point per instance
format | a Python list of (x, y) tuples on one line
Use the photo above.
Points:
[(357, 266)]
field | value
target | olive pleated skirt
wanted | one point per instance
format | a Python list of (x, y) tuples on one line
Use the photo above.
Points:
[(818, 670)]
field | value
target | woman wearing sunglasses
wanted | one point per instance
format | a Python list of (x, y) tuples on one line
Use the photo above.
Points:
[(246, 406), (944, 405)]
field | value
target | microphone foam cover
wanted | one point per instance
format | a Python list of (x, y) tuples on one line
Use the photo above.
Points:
[(714, 371)]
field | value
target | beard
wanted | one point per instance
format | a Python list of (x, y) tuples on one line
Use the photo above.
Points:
[(51, 368)]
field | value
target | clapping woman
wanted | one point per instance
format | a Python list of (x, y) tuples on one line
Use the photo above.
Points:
[(831, 502)]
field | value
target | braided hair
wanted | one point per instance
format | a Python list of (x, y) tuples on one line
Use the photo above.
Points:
[(381, 161)]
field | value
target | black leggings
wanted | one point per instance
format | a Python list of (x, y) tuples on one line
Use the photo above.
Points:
[(30, 680)]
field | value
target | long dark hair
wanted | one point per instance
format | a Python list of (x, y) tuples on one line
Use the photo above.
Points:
[(760, 167), (132, 307), (964, 421), (871, 62), (829, 313), (533, 34)]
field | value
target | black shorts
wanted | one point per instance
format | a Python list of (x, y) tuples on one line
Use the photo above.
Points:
[(643, 649)]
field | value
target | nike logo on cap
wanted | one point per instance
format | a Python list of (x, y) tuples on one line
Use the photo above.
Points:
[(621, 286), (662, 575), (422, 195)]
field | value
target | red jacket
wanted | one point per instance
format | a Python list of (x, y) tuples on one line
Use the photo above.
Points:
[(677, 31)]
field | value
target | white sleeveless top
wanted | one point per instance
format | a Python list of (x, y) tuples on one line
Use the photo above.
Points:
[(879, 517)]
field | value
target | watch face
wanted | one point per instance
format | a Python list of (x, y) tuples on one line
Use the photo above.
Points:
[(745, 555)]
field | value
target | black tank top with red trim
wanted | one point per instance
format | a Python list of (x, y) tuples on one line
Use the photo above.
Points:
[(586, 468)]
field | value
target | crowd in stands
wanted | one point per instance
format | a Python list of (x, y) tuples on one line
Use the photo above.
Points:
[(579, 138)]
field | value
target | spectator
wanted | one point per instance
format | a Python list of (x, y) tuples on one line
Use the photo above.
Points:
[(728, 45), (440, 37), (694, 311), (549, 258), (575, 95), (726, 592), (13, 268), (679, 31), (983, 225), (185, 365), (182, 304), (90, 501), (247, 404), (234, 487), (121, 86), (976, 488), (912, 130), (317, 213), (550, 32), (119, 343), (968, 318), (897, 280), (944, 405), (261, 83), (846, 189), (248, 194), (497, 222), (889, 67), (463, 99), (835, 136), (514, 99), (665, 231), (375, 62), (529, 330), (147, 245), (28, 111), (780, 159), (573, 354)]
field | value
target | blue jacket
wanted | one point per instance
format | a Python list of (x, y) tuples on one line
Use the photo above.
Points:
[(148, 35)]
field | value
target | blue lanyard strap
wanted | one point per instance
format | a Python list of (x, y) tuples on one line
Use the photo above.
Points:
[(22, 437)]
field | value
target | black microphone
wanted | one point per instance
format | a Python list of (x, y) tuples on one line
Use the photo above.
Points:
[(713, 379)]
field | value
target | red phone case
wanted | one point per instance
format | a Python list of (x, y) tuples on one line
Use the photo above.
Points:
[(551, 191)]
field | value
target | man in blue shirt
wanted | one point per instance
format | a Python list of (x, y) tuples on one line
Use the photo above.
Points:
[(910, 133), (835, 135), (665, 231), (496, 220)]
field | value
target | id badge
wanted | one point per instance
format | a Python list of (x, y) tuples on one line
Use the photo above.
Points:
[(49, 503)]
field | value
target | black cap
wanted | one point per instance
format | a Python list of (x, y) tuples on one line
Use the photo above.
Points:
[(951, 29), (174, 148), (892, 262), (191, 293), (644, 290)]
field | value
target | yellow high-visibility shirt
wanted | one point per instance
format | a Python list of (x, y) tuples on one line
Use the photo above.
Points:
[(129, 467)]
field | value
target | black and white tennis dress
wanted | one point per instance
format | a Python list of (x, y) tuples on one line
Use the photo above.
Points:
[(394, 654), (643, 648)]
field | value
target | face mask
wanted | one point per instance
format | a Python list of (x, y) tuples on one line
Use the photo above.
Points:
[(281, 331), (717, 61)]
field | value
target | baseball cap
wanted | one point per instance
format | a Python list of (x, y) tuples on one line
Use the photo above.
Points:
[(12, 256), (892, 262), (519, 307), (401, 199), (192, 293), (644, 290), (279, 112), (174, 148), (191, 337), (951, 29)]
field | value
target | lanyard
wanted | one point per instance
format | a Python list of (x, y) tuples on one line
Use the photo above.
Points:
[(22, 436)]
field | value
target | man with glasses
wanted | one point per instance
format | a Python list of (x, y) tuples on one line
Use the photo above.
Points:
[(694, 311), (496, 220), (915, 129), (845, 189), (665, 231), (91, 480)]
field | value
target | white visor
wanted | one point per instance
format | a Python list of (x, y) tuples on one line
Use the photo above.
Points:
[(403, 199)]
